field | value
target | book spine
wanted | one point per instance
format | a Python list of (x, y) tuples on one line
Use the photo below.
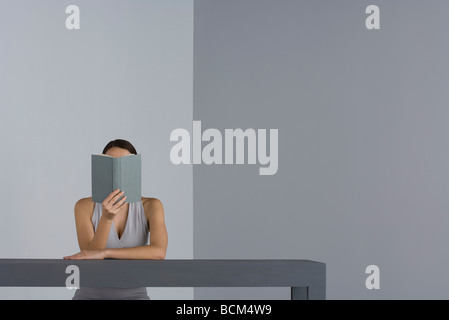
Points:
[(116, 174)]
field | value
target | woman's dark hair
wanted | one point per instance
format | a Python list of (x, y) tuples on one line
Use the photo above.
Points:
[(120, 143)]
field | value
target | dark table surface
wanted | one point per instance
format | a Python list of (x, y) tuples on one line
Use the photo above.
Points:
[(164, 273)]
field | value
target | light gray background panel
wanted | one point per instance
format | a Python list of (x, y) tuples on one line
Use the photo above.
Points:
[(64, 94)]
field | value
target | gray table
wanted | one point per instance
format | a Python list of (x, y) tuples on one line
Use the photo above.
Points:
[(307, 279)]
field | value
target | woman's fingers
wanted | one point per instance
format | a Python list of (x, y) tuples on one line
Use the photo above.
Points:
[(116, 197), (110, 196), (86, 254), (121, 203), (112, 204), (117, 206), (112, 201), (74, 256)]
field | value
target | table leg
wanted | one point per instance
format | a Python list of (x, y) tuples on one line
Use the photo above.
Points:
[(308, 293), (299, 293), (317, 293)]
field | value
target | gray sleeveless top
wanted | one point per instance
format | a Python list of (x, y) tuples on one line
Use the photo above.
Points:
[(136, 233)]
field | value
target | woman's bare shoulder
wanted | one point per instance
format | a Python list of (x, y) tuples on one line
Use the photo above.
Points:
[(150, 200), (84, 205), (149, 203)]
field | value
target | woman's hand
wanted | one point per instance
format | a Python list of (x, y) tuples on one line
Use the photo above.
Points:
[(87, 255), (109, 208)]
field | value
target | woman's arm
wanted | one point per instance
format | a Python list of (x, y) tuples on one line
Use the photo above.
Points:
[(141, 252), (84, 228)]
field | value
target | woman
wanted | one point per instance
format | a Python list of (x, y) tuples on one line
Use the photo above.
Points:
[(119, 230)]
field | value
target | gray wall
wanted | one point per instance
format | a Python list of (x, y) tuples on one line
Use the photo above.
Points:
[(127, 73), (363, 160)]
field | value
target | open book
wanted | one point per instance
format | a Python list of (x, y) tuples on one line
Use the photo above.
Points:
[(110, 173)]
